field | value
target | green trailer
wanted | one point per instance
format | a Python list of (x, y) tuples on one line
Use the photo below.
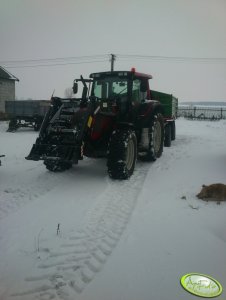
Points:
[(169, 102), (170, 107)]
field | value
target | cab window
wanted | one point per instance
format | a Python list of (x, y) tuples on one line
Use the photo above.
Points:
[(139, 91)]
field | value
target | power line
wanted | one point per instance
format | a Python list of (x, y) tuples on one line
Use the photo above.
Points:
[(62, 61), (52, 65), (173, 58), (46, 60)]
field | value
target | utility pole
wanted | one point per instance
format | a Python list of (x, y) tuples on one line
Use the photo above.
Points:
[(112, 61)]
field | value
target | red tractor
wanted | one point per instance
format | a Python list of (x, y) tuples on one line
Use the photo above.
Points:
[(115, 118)]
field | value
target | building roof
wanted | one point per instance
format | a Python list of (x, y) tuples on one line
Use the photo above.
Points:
[(6, 75)]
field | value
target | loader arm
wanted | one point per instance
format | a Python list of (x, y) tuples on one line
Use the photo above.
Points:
[(62, 131)]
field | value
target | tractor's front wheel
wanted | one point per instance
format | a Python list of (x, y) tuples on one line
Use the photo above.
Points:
[(57, 166), (122, 154)]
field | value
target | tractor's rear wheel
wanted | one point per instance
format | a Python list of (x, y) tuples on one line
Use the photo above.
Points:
[(156, 139), (57, 166), (122, 154)]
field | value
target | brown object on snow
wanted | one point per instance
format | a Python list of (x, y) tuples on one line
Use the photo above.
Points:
[(213, 192)]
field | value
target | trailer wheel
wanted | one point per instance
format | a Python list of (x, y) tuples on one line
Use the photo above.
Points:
[(12, 125), (173, 131), (168, 135), (122, 154), (156, 139), (56, 166), (37, 126)]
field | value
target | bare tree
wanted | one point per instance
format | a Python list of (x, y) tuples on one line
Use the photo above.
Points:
[(68, 93)]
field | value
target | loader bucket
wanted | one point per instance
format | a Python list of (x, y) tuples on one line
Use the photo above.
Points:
[(64, 153)]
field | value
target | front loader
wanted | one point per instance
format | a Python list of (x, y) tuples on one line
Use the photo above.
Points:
[(60, 140)]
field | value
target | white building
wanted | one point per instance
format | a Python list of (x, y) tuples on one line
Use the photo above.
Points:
[(7, 87)]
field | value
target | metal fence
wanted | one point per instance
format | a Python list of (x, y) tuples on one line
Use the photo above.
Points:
[(202, 112)]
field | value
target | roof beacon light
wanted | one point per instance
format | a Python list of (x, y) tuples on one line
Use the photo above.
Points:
[(133, 69)]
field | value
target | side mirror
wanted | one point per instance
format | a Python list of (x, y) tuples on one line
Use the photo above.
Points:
[(75, 87)]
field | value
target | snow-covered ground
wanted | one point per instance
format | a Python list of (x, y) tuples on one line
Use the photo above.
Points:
[(80, 235)]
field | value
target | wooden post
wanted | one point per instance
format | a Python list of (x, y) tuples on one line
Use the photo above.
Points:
[(112, 62)]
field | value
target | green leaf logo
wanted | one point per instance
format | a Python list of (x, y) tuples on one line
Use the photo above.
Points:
[(201, 285)]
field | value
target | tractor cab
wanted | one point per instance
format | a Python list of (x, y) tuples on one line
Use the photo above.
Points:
[(122, 96), (128, 85), (116, 92)]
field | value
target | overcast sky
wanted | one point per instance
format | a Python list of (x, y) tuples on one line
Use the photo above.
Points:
[(34, 30)]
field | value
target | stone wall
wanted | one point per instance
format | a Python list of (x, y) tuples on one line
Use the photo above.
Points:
[(7, 92)]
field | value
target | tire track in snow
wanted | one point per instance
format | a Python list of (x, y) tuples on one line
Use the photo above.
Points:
[(68, 268), (27, 187)]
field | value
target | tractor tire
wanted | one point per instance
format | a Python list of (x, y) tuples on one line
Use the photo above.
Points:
[(56, 166), (156, 139), (122, 154), (168, 135)]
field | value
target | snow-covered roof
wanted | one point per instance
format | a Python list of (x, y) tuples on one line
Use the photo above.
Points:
[(7, 75)]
